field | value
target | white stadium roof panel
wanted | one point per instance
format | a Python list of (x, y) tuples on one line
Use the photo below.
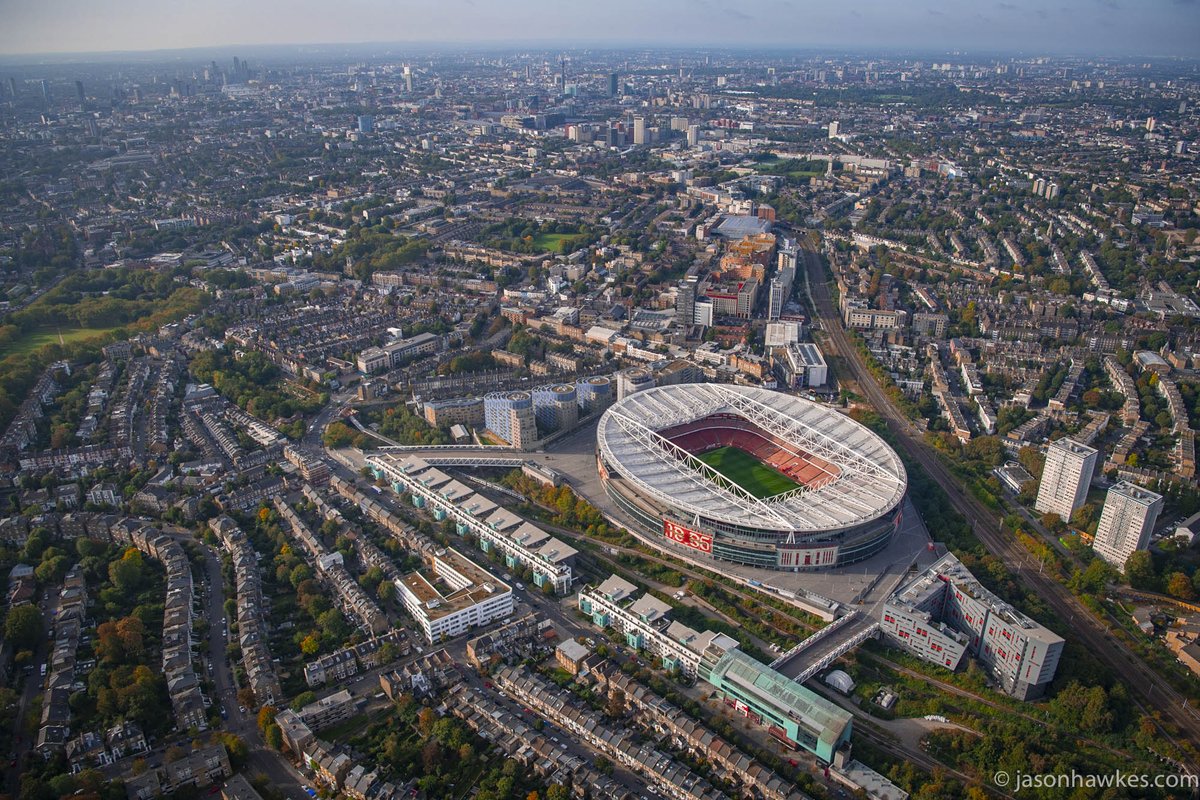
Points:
[(870, 478)]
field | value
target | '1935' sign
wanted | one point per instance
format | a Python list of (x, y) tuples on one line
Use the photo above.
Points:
[(687, 537)]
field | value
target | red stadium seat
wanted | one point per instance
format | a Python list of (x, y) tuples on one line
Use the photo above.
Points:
[(727, 430)]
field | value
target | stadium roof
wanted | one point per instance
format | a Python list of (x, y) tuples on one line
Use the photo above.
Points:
[(870, 482)]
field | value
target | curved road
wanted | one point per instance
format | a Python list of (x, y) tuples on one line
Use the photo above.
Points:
[(1142, 681)]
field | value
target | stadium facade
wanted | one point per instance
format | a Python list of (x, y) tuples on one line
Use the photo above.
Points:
[(842, 485)]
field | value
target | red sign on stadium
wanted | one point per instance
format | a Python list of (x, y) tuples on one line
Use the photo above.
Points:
[(687, 537)]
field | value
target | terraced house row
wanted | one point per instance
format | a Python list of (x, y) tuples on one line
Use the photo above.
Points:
[(353, 601), (672, 777), (182, 682), (252, 612)]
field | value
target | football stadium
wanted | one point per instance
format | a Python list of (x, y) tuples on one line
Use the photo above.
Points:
[(750, 476)]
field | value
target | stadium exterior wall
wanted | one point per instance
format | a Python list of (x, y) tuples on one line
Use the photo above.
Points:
[(764, 549)]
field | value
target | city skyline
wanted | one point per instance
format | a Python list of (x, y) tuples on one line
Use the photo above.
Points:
[(554, 419), (1101, 27)]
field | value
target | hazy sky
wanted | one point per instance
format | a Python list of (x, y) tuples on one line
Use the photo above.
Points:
[(1118, 27)]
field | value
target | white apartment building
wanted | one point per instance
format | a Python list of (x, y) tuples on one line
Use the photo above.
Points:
[(521, 543), (1126, 522), (472, 596), (645, 624), (1065, 478)]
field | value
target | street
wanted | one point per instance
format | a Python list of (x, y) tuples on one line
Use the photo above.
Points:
[(23, 741), (271, 763)]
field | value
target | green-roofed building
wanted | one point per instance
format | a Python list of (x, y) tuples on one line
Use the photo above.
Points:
[(788, 710)]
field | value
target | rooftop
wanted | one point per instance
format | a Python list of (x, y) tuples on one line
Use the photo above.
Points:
[(784, 696), (1072, 446), (476, 585), (870, 482)]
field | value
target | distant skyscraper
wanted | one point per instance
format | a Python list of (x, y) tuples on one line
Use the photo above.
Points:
[(833, 129), (693, 135), (639, 130), (408, 79), (1065, 478), (613, 86), (685, 302), (1051, 191), (79, 90), (46, 91), (366, 123), (12, 87), (1126, 522)]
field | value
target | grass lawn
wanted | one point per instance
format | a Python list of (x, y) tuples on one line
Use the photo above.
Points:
[(39, 337), (551, 241), (748, 472), (792, 169)]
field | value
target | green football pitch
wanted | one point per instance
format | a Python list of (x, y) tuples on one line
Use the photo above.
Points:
[(747, 472)]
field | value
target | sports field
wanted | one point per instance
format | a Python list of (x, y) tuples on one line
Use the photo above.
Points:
[(551, 241), (48, 334), (748, 472)]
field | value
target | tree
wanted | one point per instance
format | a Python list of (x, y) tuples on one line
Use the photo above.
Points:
[(338, 435), (1053, 522), (274, 737), (130, 630), (299, 574), (52, 569), (1032, 460), (616, 704), (987, 449), (1084, 516), (431, 757), (266, 717), (1091, 579), (23, 627), (301, 700), (310, 644), (426, 719), (236, 747), (1179, 586), (1139, 570), (128, 572)]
